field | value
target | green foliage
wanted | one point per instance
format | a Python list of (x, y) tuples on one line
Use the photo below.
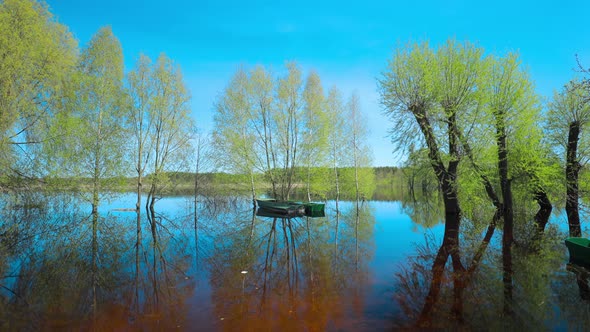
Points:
[(570, 105), (319, 180), (390, 184), (91, 136), (366, 182), (424, 208), (567, 106), (37, 54), (172, 126), (287, 131), (315, 138), (448, 104), (232, 137)]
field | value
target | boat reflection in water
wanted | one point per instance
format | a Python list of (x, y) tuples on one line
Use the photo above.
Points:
[(293, 273)]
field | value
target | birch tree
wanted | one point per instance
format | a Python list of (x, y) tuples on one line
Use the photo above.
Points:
[(38, 54), (172, 127), (93, 146), (359, 155), (336, 136), (98, 138), (233, 137), (315, 136), (286, 131), (261, 104), (289, 127), (141, 93)]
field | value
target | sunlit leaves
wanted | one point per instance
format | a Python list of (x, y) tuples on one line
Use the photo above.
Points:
[(466, 94), (567, 106), (288, 130), (36, 55)]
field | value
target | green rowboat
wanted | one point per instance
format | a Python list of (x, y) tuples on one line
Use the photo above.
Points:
[(314, 208), (310, 209), (281, 207), (579, 249)]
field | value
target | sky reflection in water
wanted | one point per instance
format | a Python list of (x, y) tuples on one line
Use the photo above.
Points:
[(344, 273)]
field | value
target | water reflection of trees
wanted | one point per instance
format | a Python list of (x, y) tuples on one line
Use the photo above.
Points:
[(425, 208), (290, 274), (52, 276), (573, 297), (47, 272), (477, 300)]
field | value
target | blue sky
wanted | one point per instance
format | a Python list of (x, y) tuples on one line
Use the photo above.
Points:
[(347, 42)]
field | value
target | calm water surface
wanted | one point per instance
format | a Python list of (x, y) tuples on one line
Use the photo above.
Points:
[(226, 269)]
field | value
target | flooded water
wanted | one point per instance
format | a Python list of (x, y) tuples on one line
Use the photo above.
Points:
[(223, 268)]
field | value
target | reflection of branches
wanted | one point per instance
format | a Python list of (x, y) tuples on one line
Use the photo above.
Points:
[(424, 209), (51, 268), (582, 276), (461, 275), (295, 280)]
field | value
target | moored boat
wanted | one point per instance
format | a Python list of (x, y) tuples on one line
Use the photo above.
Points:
[(309, 209), (314, 208), (579, 250), (281, 207)]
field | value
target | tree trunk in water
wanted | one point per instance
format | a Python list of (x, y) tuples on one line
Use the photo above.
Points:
[(308, 183), (94, 259), (542, 216), (447, 181), (138, 235), (438, 269), (253, 189), (137, 257), (508, 234), (450, 247), (151, 214), (196, 214), (572, 170)]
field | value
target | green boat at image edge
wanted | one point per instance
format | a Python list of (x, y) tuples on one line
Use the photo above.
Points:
[(308, 208), (579, 250)]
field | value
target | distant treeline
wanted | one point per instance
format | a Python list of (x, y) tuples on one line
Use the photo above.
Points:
[(390, 183)]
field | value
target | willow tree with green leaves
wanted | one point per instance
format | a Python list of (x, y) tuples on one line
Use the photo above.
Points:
[(428, 95), (410, 92), (568, 119), (511, 104), (473, 116), (38, 56)]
